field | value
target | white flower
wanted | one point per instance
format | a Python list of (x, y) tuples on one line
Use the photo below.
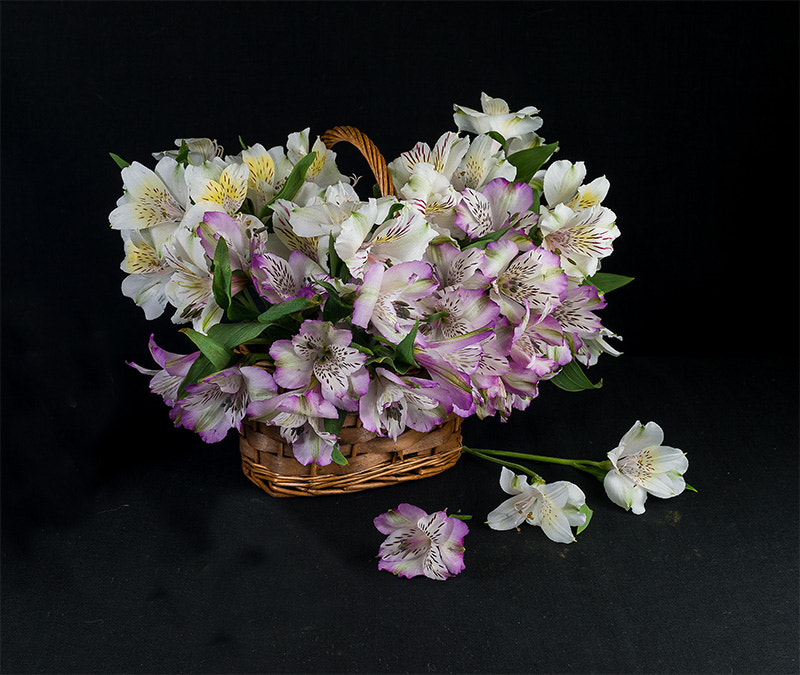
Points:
[(497, 117), (552, 506), (641, 465)]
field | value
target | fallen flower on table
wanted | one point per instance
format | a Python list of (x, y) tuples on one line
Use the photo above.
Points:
[(555, 507), (642, 466), (418, 543)]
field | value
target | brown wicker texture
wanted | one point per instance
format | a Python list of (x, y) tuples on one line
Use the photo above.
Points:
[(372, 461), (371, 153)]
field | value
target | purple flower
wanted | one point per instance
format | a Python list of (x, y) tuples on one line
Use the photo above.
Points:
[(174, 367), (498, 205), (322, 352), (393, 403), (219, 402), (418, 543), (277, 280)]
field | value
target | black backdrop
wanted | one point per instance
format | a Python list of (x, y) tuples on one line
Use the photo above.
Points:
[(130, 546)]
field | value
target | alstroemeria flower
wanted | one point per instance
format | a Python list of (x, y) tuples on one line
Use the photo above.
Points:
[(226, 187), (190, 288), (219, 402), (174, 368), (151, 197), (580, 238), (430, 193), (388, 298), (533, 279), (562, 184), (552, 506), (455, 268), (496, 116), (576, 314), (268, 170), (277, 279), (484, 162), (642, 466), (322, 352), (323, 170), (201, 150), (401, 239), (445, 158), (300, 416), (148, 271), (498, 205), (592, 347), (393, 403), (418, 543), (465, 310)]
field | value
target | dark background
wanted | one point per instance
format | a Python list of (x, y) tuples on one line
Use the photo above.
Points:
[(131, 546)]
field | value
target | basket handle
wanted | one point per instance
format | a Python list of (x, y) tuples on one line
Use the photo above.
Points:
[(370, 151)]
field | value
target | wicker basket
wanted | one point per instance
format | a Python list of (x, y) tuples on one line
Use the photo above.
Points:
[(372, 461)]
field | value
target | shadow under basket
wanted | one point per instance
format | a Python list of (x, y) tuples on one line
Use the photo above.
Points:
[(372, 461)]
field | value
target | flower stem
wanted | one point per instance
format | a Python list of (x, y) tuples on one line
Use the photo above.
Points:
[(597, 469), (511, 465)]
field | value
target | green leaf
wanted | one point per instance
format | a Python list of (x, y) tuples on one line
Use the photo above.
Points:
[(335, 308), (537, 202), (482, 242), (334, 426), (335, 263), (529, 161), (218, 354), (121, 163), (201, 368), (183, 154), (232, 335), (296, 178), (242, 143), (497, 136), (221, 285), (689, 487), (393, 209), (584, 509), (404, 353), (605, 282), (284, 309), (376, 191), (572, 378), (293, 183), (458, 516), (338, 457)]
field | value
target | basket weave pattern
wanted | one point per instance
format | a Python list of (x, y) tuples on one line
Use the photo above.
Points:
[(372, 461)]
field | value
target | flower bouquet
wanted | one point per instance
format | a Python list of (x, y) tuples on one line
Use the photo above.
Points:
[(324, 322)]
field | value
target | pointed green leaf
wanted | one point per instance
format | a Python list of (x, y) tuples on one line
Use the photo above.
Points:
[(690, 488), (183, 154), (121, 163), (584, 509), (201, 368), (218, 354), (242, 143), (404, 353), (529, 161), (482, 242), (497, 136), (572, 378), (334, 426), (338, 457), (287, 307), (232, 335), (605, 282), (221, 285)]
